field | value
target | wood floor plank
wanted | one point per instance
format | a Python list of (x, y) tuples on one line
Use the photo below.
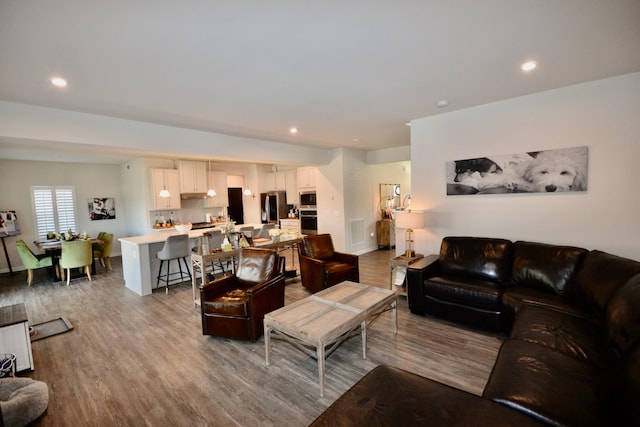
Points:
[(134, 360)]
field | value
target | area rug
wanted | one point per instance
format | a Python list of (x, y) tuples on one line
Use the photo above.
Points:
[(50, 328)]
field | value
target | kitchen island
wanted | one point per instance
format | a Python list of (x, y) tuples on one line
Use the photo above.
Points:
[(139, 262)]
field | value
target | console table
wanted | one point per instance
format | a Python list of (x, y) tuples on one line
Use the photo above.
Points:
[(14, 335)]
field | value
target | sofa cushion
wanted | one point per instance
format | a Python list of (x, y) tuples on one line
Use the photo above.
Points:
[(388, 396), (623, 316), (231, 303), (626, 411), (545, 267), (318, 246), (513, 297), (574, 336), (339, 272), (477, 293), (481, 258), (598, 277), (549, 385)]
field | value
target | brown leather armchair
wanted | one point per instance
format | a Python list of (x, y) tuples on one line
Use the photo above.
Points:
[(321, 266), (234, 306)]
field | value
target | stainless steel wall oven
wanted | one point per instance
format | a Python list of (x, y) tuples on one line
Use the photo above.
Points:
[(309, 221)]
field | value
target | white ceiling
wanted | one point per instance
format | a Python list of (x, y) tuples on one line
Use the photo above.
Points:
[(345, 73)]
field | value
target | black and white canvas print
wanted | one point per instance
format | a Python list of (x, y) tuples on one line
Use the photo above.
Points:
[(547, 171), (102, 208)]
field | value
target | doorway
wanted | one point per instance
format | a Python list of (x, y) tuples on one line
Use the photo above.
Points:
[(236, 208)]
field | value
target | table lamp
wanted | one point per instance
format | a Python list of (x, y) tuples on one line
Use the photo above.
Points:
[(409, 220)]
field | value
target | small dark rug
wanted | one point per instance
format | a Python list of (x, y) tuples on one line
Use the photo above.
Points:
[(50, 328)]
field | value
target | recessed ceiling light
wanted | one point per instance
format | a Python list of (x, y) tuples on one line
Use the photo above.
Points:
[(58, 82), (356, 139), (293, 130), (443, 103), (528, 66)]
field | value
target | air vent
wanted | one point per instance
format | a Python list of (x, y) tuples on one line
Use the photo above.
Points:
[(357, 231)]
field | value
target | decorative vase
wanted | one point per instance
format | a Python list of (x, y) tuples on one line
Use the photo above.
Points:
[(226, 246)]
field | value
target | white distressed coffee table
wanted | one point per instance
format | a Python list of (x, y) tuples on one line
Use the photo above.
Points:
[(319, 323)]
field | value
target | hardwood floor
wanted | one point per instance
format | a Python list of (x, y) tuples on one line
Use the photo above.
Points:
[(134, 360)]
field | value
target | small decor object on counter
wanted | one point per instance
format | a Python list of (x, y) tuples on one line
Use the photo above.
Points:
[(228, 228), (243, 242), (183, 228), (226, 245), (275, 234)]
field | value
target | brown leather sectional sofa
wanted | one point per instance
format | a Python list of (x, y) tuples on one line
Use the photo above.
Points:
[(571, 356)]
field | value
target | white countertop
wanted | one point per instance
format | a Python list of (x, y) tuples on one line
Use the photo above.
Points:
[(161, 237)]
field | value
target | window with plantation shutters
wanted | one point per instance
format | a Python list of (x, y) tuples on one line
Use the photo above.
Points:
[(54, 209)]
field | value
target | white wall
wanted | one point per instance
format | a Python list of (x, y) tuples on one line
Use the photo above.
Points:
[(88, 180), (603, 115), (348, 191)]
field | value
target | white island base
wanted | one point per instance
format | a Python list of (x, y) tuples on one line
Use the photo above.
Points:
[(139, 262)]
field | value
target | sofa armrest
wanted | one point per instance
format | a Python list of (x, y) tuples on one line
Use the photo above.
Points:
[(264, 286), (416, 274), (217, 287), (312, 273), (346, 258)]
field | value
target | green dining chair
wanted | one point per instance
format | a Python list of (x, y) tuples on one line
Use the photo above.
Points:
[(102, 251), (32, 261), (76, 254)]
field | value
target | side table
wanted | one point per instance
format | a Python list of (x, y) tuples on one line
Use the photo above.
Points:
[(14, 335), (401, 262)]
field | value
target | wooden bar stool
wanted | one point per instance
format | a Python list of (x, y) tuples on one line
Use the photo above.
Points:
[(175, 247)]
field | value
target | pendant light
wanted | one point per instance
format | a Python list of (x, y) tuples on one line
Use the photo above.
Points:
[(164, 192), (211, 192)]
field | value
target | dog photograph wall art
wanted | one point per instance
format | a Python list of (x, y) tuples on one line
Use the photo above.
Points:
[(547, 171)]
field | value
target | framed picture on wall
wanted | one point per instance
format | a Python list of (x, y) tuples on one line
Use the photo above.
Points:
[(102, 208), (546, 171)]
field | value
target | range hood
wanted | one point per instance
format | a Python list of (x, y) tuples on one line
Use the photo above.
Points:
[(186, 196)]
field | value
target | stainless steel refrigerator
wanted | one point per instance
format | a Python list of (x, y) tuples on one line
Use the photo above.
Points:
[(274, 206)]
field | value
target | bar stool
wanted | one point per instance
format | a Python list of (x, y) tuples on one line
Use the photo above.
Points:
[(175, 247)]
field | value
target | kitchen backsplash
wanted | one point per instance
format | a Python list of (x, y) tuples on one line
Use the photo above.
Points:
[(192, 211)]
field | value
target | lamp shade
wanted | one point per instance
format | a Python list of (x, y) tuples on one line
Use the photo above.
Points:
[(410, 219)]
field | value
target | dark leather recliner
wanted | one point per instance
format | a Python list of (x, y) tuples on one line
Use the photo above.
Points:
[(321, 266), (234, 306)]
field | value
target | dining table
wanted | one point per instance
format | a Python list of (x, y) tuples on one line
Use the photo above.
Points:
[(54, 248)]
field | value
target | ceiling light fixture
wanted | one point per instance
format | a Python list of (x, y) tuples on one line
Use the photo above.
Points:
[(443, 103), (211, 192), (164, 192), (58, 82), (528, 66), (293, 130)]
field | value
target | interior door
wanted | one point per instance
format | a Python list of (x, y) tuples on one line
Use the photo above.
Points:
[(236, 209)]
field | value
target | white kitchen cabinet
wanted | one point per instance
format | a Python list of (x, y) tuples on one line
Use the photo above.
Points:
[(14, 335), (276, 181), (169, 179), (291, 182), (217, 180), (306, 178), (193, 176), (290, 226)]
